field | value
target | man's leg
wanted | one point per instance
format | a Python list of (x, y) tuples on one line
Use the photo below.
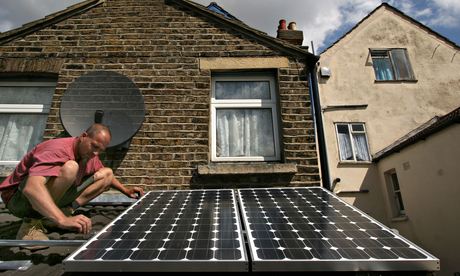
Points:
[(87, 190), (58, 186), (102, 182), (19, 205)]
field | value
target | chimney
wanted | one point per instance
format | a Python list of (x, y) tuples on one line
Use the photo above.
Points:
[(291, 34)]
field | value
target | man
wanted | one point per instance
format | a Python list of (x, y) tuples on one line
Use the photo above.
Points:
[(56, 177)]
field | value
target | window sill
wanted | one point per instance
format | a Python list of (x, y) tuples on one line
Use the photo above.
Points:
[(400, 218), (360, 191), (395, 81), (354, 164), (246, 169)]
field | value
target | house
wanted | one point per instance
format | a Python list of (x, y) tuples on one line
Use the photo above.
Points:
[(419, 178), (181, 58), (384, 78)]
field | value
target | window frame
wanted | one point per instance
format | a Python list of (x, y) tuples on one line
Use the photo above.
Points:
[(395, 196), (242, 104), (350, 133), (389, 55), (42, 109)]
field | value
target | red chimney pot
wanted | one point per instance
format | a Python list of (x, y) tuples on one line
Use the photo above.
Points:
[(282, 25)]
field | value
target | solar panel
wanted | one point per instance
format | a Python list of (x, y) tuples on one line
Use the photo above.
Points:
[(196, 230), (310, 229)]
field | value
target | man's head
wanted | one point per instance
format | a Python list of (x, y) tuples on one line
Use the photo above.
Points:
[(93, 141)]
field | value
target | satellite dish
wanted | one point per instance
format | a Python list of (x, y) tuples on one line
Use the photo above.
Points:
[(103, 97)]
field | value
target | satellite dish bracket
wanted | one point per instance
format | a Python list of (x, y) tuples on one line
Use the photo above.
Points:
[(98, 116)]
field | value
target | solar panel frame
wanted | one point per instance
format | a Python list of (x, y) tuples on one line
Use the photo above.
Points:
[(71, 264), (430, 263)]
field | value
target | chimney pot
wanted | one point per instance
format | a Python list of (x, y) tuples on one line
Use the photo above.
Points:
[(292, 26), (282, 25)]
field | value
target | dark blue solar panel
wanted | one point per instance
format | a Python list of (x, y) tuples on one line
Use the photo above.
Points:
[(312, 229), (185, 227)]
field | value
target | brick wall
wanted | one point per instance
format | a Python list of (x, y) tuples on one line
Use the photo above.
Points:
[(158, 47)]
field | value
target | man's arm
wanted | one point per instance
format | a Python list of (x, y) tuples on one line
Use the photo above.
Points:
[(39, 197)]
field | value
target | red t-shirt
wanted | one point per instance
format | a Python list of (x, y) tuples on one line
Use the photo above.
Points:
[(46, 159)]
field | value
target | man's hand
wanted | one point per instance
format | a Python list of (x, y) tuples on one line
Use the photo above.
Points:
[(134, 192), (78, 223)]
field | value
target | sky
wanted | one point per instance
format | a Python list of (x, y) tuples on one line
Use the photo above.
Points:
[(322, 22)]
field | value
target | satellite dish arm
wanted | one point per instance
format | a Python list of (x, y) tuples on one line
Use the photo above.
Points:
[(98, 115)]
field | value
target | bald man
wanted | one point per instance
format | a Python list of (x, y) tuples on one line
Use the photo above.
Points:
[(56, 177)]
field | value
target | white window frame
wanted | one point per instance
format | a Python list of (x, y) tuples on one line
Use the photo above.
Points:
[(24, 108), (350, 133), (244, 103), (395, 195)]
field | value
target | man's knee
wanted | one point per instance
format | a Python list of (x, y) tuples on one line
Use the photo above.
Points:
[(106, 174), (69, 170)]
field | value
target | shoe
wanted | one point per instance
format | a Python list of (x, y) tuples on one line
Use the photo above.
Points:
[(32, 229), (68, 211)]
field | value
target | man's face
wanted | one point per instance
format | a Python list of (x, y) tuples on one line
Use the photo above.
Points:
[(92, 146)]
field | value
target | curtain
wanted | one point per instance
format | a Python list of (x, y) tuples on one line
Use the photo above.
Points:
[(19, 133), (346, 151), (382, 67), (360, 143), (245, 132)]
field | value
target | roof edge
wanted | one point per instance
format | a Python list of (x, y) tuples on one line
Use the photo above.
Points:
[(432, 126), (243, 28), (222, 10), (402, 14), (48, 20)]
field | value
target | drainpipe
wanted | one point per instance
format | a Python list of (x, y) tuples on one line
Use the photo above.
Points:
[(293, 36), (313, 86)]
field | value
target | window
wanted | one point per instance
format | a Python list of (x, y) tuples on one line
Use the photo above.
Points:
[(352, 142), (395, 194), (392, 64), (244, 118), (24, 108)]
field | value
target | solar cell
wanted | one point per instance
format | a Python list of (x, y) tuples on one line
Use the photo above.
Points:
[(195, 230), (310, 229)]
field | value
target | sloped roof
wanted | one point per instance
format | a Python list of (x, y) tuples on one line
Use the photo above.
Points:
[(395, 10), (434, 125), (245, 29), (237, 25), (48, 20), (49, 261)]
